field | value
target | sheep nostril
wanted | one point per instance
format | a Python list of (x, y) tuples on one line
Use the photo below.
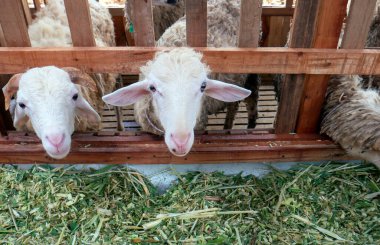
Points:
[(173, 150)]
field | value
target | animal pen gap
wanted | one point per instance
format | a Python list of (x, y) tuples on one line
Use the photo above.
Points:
[(310, 59)]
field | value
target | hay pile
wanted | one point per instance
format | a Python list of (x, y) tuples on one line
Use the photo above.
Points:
[(313, 204)]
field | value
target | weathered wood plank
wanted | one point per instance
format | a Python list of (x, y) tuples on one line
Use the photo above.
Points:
[(78, 15), (13, 23), (250, 23), (126, 148), (142, 19), (196, 23), (128, 60), (301, 36), (358, 24), (329, 24)]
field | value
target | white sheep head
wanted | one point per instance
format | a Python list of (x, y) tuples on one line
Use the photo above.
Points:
[(49, 99), (177, 82)]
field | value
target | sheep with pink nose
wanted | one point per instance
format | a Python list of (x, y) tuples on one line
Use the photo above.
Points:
[(175, 96)]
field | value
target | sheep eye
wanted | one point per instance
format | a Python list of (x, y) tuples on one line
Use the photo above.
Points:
[(22, 105), (152, 88), (75, 97), (203, 87)]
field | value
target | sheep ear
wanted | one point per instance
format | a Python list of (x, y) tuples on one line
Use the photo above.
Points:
[(81, 78), (19, 117), (224, 91), (85, 110), (128, 95), (11, 88)]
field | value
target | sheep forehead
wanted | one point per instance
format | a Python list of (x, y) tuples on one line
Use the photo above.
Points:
[(43, 83), (182, 67)]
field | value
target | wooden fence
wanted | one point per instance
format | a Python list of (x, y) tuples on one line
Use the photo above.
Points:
[(309, 61)]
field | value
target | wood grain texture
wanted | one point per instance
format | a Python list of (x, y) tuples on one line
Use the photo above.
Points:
[(142, 19), (27, 13), (125, 147), (196, 23), (78, 15), (279, 27), (250, 23), (128, 60), (329, 24), (292, 88), (358, 24), (13, 23)]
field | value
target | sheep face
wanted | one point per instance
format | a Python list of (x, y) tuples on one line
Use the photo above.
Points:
[(176, 82), (49, 99)]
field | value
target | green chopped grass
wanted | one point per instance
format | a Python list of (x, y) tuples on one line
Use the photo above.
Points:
[(330, 204)]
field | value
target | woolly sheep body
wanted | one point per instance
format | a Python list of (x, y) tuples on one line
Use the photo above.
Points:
[(223, 27), (51, 29), (351, 113)]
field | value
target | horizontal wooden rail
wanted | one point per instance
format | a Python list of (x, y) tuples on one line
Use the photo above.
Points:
[(127, 147), (128, 60)]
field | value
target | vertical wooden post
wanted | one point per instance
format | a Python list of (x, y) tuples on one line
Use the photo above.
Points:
[(78, 15), (250, 23), (196, 23), (142, 19), (27, 14), (13, 33), (13, 23), (301, 36), (358, 24), (329, 24)]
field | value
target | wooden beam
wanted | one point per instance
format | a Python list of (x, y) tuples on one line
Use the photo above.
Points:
[(13, 23), (196, 23), (329, 24), (145, 148), (78, 15), (358, 24), (250, 23), (301, 36), (142, 19), (27, 13), (128, 60)]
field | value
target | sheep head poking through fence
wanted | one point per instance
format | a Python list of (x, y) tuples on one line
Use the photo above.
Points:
[(47, 100), (175, 85)]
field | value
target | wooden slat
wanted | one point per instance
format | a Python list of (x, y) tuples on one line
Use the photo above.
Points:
[(78, 15), (248, 147), (27, 14), (279, 27), (142, 19), (196, 23), (128, 60), (13, 23), (250, 23), (301, 36), (329, 24), (358, 24)]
